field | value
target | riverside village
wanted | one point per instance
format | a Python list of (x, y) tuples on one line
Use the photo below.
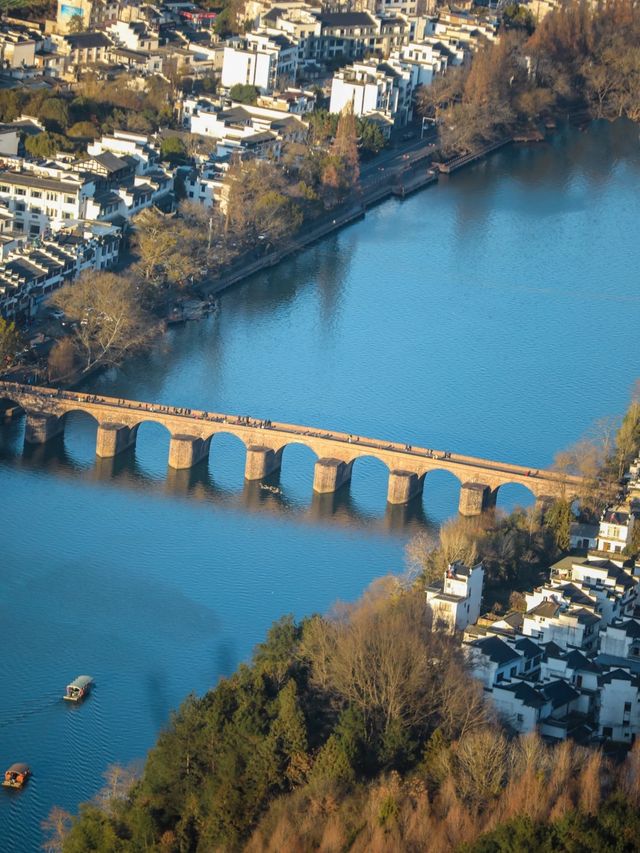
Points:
[(567, 663), (111, 109)]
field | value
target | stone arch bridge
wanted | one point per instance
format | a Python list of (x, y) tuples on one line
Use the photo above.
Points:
[(191, 432)]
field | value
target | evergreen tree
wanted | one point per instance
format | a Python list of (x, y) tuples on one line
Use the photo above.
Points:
[(558, 517)]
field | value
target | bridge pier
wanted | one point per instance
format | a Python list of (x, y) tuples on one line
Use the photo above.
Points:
[(330, 474), (403, 486), (261, 461), (475, 497), (41, 427), (185, 451), (112, 439)]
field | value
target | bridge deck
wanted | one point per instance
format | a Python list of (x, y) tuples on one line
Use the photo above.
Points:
[(198, 422)]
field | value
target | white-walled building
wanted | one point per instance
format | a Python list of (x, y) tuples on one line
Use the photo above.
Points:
[(373, 88), (44, 199), (243, 129), (621, 639), (133, 35), (264, 60), (455, 602), (135, 145), (492, 660), (619, 712), (569, 627), (615, 530)]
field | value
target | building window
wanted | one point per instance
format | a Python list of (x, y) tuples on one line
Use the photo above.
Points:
[(70, 199), (520, 718), (4, 188), (36, 194), (514, 670), (627, 707), (607, 731)]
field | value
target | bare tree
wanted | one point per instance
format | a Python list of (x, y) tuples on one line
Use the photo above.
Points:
[(108, 319), (118, 783), (381, 657), (55, 829)]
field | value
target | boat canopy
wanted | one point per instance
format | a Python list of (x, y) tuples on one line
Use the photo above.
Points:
[(81, 682), (18, 768)]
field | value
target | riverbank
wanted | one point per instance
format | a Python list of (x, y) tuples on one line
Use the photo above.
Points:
[(411, 169)]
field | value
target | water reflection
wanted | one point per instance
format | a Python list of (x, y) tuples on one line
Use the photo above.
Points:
[(126, 471)]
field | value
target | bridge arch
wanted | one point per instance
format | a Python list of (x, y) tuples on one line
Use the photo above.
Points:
[(296, 462), (369, 483), (227, 459), (152, 442), (508, 496), (440, 493)]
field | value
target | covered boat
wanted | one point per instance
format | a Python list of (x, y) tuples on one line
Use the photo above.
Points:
[(79, 688), (16, 775)]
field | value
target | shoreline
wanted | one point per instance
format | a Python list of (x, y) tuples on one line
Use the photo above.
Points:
[(421, 174)]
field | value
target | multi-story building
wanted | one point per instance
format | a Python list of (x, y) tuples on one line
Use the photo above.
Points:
[(456, 600), (44, 199), (243, 129), (29, 274), (372, 87), (138, 146), (615, 529), (264, 60)]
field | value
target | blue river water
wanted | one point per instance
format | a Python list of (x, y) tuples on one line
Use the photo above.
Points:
[(493, 314)]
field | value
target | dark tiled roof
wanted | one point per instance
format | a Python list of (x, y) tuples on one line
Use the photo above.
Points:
[(547, 609), (496, 650), (615, 675), (528, 648), (576, 660), (615, 517), (559, 693), (525, 693), (553, 650), (346, 19), (110, 162), (82, 41)]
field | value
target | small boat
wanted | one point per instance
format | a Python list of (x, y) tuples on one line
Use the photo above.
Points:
[(16, 775), (273, 489), (78, 689)]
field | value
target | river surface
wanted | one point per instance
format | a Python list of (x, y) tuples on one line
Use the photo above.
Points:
[(495, 314)]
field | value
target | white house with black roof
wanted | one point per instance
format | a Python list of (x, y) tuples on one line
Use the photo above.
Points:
[(619, 711), (492, 660), (265, 60), (456, 600), (615, 529), (621, 639)]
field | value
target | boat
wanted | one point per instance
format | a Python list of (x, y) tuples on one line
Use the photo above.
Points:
[(273, 489), (16, 775), (78, 689)]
